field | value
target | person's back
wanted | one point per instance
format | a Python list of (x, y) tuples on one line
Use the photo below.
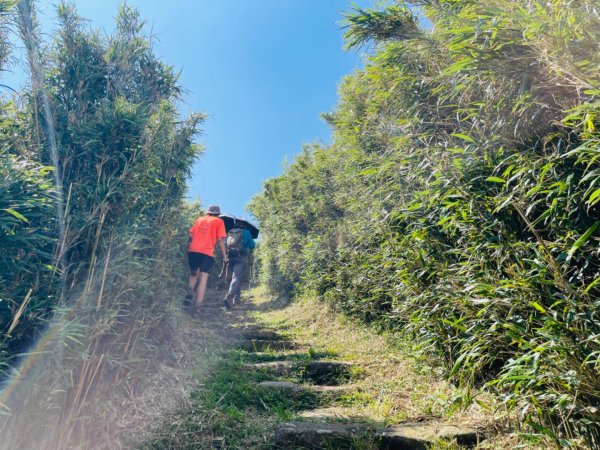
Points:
[(239, 245), (204, 234)]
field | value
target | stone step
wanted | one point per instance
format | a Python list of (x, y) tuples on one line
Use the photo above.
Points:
[(320, 372), (221, 310), (217, 299), (291, 365), (311, 435), (281, 385), (274, 367), (339, 389), (259, 345), (291, 386), (417, 436), (259, 333), (331, 413), (422, 435), (270, 357), (329, 373)]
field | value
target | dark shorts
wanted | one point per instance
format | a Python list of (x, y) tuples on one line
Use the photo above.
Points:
[(200, 261)]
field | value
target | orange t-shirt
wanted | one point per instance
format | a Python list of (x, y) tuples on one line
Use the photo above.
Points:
[(205, 233)]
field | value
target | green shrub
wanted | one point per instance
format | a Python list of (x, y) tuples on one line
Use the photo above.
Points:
[(110, 304), (458, 202), (28, 281)]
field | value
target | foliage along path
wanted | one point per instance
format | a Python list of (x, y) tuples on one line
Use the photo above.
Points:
[(274, 374)]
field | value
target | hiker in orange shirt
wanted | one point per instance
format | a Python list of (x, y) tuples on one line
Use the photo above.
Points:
[(206, 231)]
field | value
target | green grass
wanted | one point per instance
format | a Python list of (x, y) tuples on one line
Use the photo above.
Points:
[(390, 382), (290, 355), (229, 409)]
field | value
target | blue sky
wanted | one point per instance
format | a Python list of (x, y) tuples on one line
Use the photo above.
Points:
[(263, 70)]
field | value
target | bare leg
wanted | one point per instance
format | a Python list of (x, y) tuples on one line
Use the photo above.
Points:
[(192, 282), (201, 288)]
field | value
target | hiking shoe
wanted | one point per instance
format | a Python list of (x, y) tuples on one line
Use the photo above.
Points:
[(227, 302)]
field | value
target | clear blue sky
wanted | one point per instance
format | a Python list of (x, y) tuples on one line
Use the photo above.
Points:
[(263, 70)]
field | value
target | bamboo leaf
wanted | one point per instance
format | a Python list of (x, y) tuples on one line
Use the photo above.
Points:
[(537, 306), (583, 239), (16, 214), (464, 137), (594, 198), (591, 285)]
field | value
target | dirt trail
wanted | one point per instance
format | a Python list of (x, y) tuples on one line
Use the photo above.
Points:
[(124, 403), (264, 374), (280, 393), (199, 346)]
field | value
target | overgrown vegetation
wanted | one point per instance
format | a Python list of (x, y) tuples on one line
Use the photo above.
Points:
[(458, 205), (89, 283), (458, 202), (387, 382), (229, 410), (27, 225)]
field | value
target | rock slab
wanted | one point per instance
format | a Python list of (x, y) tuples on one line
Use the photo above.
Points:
[(419, 436), (282, 385), (257, 345), (259, 333), (274, 367), (321, 372), (290, 386), (319, 435), (326, 372)]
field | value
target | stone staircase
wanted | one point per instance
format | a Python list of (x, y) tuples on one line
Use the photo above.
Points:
[(325, 426), (330, 427), (409, 436)]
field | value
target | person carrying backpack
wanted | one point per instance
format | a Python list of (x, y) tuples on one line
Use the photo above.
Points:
[(239, 244), (207, 231)]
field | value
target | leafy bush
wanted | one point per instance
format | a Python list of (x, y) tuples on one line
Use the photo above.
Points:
[(124, 154), (459, 200), (27, 278)]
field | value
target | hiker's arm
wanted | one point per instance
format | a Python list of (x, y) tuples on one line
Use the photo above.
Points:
[(223, 251)]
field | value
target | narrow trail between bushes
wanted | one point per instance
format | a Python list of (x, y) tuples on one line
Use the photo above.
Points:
[(270, 374)]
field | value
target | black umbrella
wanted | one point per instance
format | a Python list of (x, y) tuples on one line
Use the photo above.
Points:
[(231, 221)]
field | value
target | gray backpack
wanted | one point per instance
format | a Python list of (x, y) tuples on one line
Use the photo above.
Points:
[(235, 242)]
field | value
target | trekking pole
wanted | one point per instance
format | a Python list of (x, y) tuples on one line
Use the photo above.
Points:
[(225, 264), (251, 278)]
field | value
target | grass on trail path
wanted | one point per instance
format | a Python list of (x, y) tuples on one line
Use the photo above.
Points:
[(389, 381)]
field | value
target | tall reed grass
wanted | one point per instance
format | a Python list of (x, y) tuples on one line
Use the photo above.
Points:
[(458, 202), (95, 329)]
